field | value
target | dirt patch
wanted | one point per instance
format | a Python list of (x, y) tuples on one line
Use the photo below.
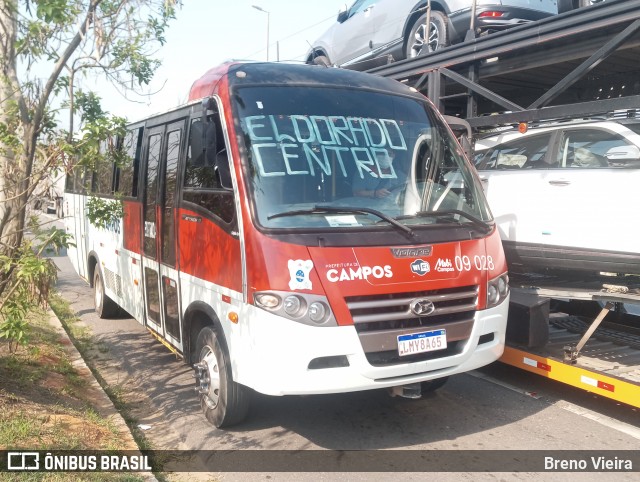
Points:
[(54, 381)]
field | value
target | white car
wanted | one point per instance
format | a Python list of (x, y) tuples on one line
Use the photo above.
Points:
[(566, 196), (373, 28)]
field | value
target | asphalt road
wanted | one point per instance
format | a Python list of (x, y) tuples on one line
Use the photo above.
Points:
[(496, 408)]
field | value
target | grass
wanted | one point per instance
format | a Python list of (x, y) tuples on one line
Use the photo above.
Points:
[(45, 403), (81, 335)]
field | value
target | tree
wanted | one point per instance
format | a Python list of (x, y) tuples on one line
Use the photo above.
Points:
[(115, 38)]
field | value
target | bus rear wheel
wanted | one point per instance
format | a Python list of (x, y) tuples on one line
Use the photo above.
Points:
[(223, 401), (105, 307)]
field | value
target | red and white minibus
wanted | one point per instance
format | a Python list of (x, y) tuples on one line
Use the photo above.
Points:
[(296, 229)]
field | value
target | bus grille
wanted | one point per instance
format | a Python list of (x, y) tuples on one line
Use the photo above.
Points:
[(379, 319)]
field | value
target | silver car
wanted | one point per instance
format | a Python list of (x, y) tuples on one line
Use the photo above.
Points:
[(372, 28)]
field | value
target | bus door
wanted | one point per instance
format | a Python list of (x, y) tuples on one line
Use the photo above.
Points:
[(160, 274)]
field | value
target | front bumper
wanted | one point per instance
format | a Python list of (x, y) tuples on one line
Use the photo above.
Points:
[(271, 355)]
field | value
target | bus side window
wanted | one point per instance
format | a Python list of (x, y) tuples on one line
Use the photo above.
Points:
[(201, 159), (207, 175), (129, 163), (103, 176)]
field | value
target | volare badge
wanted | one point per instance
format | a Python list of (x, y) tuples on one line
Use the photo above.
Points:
[(299, 270)]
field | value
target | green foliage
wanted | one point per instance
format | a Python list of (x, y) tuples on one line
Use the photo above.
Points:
[(9, 137), (140, 66), (59, 12), (29, 277), (89, 105), (51, 239), (14, 326), (70, 38), (104, 213), (97, 145)]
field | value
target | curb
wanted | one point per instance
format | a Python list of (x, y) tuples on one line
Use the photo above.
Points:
[(99, 398)]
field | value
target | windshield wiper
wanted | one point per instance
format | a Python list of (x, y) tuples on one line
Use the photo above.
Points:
[(346, 210), (478, 223)]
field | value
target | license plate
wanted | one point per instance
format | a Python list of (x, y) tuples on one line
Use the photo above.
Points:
[(422, 342)]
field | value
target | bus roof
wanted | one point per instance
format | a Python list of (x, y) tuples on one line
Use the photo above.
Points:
[(272, 73)]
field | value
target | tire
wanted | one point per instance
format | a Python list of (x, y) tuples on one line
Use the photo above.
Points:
[(431, 386), (439, 38), (225, 402), (321, 60), (105, 307)]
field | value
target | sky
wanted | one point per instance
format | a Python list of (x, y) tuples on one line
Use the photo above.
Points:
[(205, 33)]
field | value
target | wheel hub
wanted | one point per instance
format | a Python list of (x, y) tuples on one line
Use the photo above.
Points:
[(207, 377), (423, 40), (202, 377)]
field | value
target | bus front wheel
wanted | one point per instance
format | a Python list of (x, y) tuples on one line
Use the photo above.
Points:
[(223, 401)]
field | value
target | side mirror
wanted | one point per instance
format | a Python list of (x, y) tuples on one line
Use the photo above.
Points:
[(622, 154), (343, 14)]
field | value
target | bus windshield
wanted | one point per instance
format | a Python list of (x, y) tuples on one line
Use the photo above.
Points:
[(324, 158)]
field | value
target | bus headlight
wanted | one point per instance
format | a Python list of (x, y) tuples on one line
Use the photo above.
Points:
[(292, 305), (497, 290), (303, 308), (492, 295), (318, 311), (267, 300), (503, 285)]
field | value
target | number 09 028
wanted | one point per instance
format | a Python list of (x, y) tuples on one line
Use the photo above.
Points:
[(481, 263)]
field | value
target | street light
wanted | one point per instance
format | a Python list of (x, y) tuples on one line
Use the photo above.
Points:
[(263, 10)]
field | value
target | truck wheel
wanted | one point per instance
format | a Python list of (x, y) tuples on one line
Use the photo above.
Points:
[(223, 401), (417, 41), (105, 307), (432, 385)]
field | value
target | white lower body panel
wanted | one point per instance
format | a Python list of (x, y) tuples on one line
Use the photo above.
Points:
[(271, 355)]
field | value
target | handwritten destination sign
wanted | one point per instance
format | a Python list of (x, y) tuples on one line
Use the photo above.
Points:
[(299, 145)]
